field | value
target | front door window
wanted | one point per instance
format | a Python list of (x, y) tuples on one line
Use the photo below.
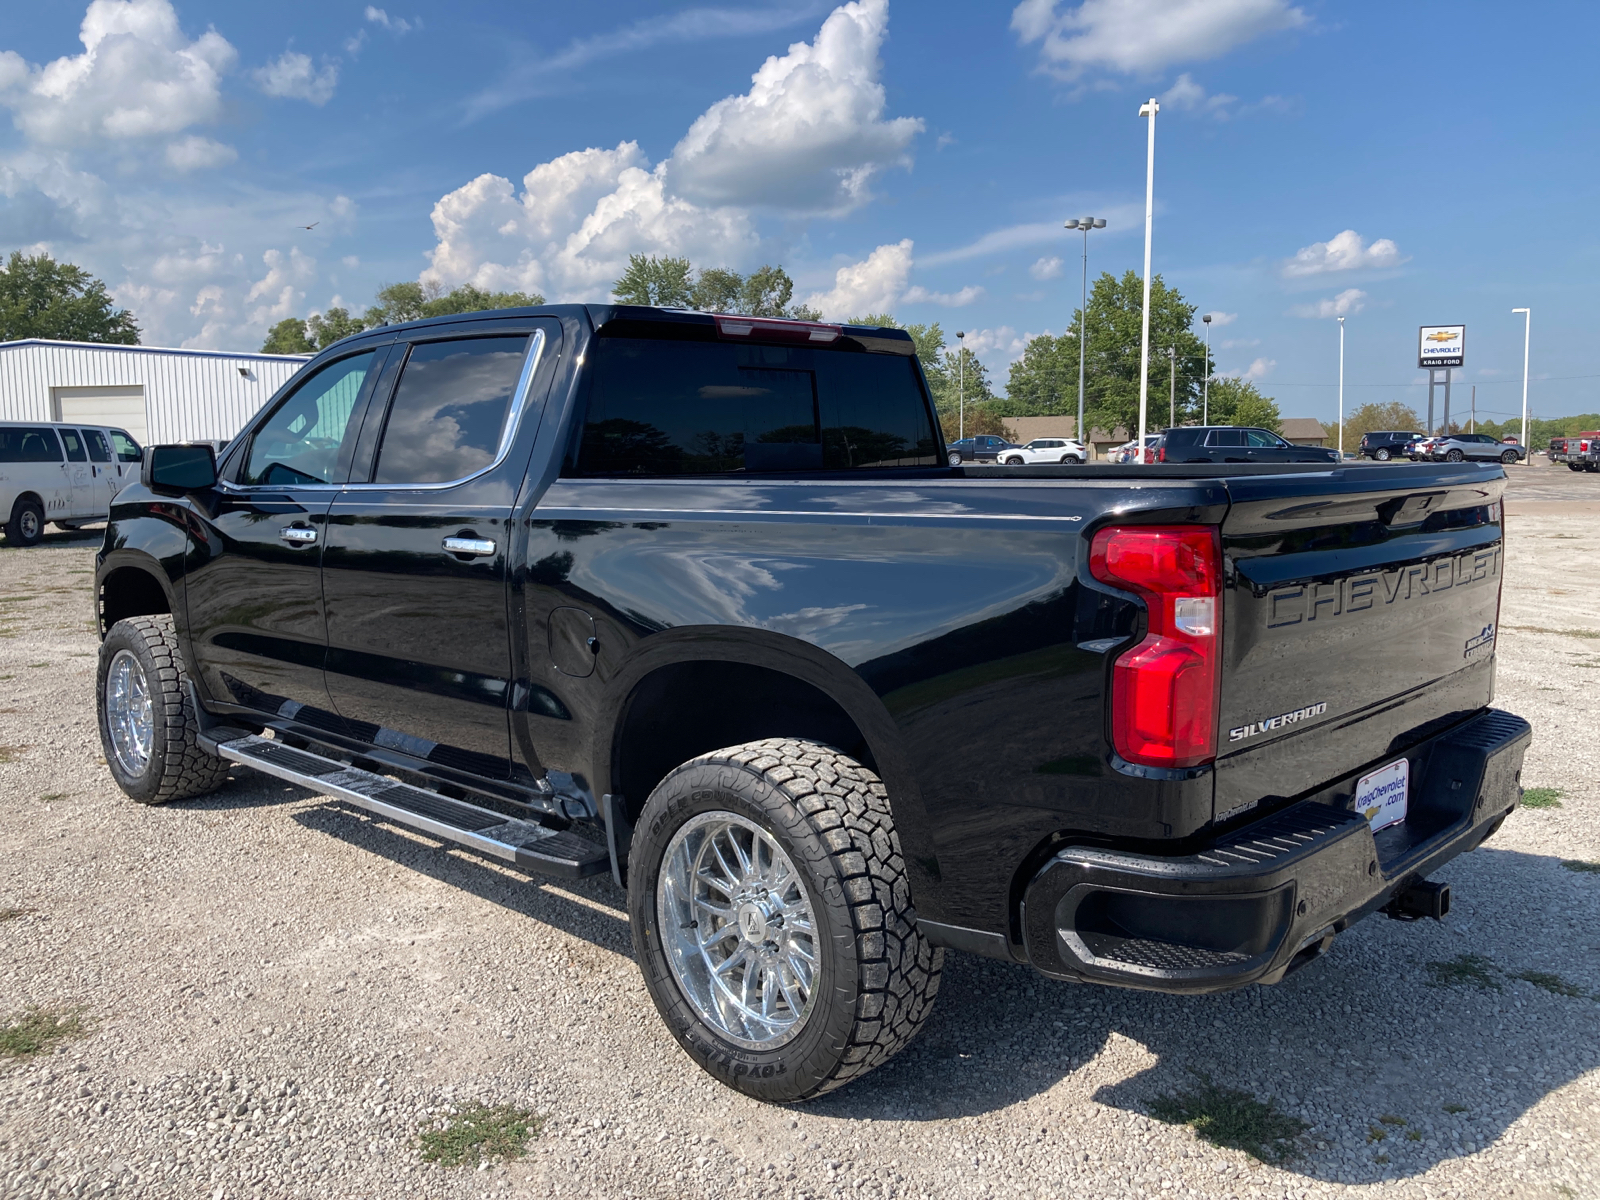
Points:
[(300, 443)]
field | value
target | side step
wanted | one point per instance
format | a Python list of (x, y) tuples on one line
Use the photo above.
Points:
[(525, 844)]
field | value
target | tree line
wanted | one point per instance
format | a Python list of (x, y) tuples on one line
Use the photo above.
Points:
[(1400, 416), (396, 302), (43, 298)]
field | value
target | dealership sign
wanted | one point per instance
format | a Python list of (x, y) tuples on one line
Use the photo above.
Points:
[(1441, 346)]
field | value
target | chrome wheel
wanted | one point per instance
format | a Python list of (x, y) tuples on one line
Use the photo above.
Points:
[(130, 717), (736, 923)]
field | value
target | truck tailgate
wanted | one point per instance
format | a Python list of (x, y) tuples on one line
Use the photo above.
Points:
[(1360, 613)]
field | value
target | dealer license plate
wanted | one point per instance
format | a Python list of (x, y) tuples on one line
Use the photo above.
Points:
[(1381, 796)]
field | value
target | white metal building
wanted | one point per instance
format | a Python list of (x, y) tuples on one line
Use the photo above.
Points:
[(156, 395)]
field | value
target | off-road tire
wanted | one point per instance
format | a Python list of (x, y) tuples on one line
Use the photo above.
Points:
[(26, 524), (877, 975), (178, 768)]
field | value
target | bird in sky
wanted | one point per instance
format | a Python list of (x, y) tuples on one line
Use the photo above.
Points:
[(313, 225)]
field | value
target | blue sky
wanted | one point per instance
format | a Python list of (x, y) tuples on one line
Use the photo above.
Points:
[(1426, 163)]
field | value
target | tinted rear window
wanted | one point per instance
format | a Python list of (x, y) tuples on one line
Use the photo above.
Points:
[(23, 444), (99, 448), (707, 408), (450, 409)]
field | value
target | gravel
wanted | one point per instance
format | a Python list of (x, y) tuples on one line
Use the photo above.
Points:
[(280, 992)]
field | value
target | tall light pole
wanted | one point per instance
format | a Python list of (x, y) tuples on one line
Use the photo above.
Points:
[(1085, 224), (1205, 388), (1172, 387), (1341, 389), (1149, 109), (1527, 330), (961, 386)]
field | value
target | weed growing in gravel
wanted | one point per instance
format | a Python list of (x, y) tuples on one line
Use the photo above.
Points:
[(476, 1132), (11, 914), (1583, 868), (9, 754), (52, 797), (1413, 1135), (1380, 1158), (36, 666), (1453, 1109), (1472, 969), (1233, 1119), (1549, 982), (1376, 1133), (35, 1029), (1542, 797), (1391, 1119)]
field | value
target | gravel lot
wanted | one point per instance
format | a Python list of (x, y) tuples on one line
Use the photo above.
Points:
[(279, 992)]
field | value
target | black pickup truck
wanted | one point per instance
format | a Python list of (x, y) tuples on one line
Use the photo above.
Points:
[(697, 601)]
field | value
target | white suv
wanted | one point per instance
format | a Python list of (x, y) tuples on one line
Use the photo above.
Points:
[(1046, 450), (62, 473)]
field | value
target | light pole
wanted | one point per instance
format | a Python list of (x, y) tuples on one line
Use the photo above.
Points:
[(1527, 330), (1085, 224), (1149, 109), (961, 386), (1341, 389), (1172, 387), (1205, 387)]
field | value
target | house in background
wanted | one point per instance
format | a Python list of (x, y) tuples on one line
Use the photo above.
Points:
[(154, 394), (1303, 431)]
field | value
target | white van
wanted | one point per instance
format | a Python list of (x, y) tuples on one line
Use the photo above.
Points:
[(61, 473)]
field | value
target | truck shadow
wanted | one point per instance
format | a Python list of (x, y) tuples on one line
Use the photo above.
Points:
[(1393, 1023)]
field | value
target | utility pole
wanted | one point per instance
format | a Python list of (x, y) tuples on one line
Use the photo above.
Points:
[(961, 385), (1341, 389), (1472, 425), (1527, 331), (1085, 224), (1205, 388), (1172, 387), (1148, 109)]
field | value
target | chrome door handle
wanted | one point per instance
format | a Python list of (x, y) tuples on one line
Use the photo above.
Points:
[(296, 535), (477, 547)]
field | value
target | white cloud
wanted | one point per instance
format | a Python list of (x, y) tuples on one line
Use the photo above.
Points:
[(1219, 319), (1259, 369), (393, 24), (872, 285), (921, 295), (1141, 37), (1343, 252), (1120, 218), (293, 77), (351, 261), (195, 153), (806, 138), (1346, 304), (1239, 344), (282, 287), (1188, 96), (1046, 268), (138, 77), (809, 134)]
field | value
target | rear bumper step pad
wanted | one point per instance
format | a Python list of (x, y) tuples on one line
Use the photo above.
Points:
[(524, 844)]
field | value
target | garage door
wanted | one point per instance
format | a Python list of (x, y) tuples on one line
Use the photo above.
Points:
[(119, 407)]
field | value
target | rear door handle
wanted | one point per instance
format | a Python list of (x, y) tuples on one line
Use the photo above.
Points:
[(477, 547), (297, 535)]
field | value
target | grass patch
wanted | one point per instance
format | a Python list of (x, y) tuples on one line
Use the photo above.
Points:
[(1376, 1133), (1542, 797), (1073, 764), (10, 754), (37, 666), (1391, 1119), (1549, 982), (52, 797), (1471, 970), (1453, 1108), (1413, 1135), (12, 914), (1233, 1119), (476, 1133), (1581, 867), (36, 1029)]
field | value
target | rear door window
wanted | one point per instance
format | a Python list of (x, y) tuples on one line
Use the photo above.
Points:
[(449, 410), (99, 448), (25, 444), (74, 445), (1225, 437), (661, 407)]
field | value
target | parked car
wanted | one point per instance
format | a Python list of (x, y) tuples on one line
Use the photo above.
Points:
[(451, 575), (1417, 449), (1129, 451), (1384, 445), (982, 447), (1476, 447), (62, 473), (1236, 444), (1581, 451), (1046, 450)]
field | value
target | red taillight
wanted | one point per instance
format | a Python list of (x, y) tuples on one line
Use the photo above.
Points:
[(1164, 690), (1161, 455)]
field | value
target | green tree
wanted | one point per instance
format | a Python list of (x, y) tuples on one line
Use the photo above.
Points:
[(288, 336), (717, 290), (1116, 309), (43, 298), (1044, 381), (766, 293), (327, 328), (665, 282), (1236, 401), (399, 302), (1369, 418)]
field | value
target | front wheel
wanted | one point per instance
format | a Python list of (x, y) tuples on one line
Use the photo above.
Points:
[(148, 725), (26, 526), (1574, 466), (1381, 455), (1013, 461), (772, 919), (1454, 456)]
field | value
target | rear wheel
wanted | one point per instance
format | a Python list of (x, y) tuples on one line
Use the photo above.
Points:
[(955, 458), (1381, 455), (1509, 457), (772, 919), (26, 526), (1454, 456), (148, 726)]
